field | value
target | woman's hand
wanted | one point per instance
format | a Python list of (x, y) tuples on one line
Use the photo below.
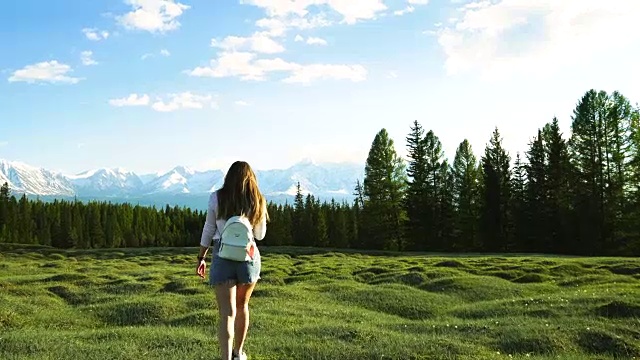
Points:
[(202, 268)]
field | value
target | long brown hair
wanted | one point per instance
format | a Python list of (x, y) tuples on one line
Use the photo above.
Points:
[(240, 194)]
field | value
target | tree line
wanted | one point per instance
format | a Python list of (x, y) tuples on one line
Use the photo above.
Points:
[(74, 224), (574, 195), (578, 194)]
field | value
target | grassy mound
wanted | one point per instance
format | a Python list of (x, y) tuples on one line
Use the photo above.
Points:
[(318, 304)]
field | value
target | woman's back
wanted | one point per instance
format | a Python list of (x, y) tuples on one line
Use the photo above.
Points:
[(213, 232)]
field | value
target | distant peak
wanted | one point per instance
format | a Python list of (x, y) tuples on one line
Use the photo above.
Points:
[(307, 161), (184, 170)]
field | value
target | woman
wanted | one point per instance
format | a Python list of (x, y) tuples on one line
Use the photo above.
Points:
[(234, 281)]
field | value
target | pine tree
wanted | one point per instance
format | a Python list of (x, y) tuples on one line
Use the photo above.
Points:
[(496, 195), (519, 205), (558, 172), (5, 193), (433, 185), (384, 185), (446, 209), (600, 154), (416, 188), (536, 194), (465, 196), (298, 217)]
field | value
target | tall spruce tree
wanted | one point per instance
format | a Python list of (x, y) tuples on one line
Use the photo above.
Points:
[(446, 209), (384, 184), (536, 194), (520, 223), (465, 197), (431, 197), (5, 193), (416, 188), (298, 217), (496, 195), (558, 174), (600, 155)]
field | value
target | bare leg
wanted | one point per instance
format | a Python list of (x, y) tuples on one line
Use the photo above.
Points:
[(242, 316), (226, 298)]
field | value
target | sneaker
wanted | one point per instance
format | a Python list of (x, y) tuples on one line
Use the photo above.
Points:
[(242, 356)]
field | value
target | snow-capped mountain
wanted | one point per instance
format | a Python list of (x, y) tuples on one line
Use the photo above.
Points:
[(23, 178), (184, 180), (106, 182), (323, 180)]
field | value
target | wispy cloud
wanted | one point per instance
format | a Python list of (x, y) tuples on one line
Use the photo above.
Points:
[(247, 67), (131, 100), (316, 41), (260, 42), (163, 52), (497, 38), (350, 11), (46, 71), (242, 103), (95, 34), (185, 100), (407, 10), (155, 16), (168, 103), (86, 58), (4, 143)]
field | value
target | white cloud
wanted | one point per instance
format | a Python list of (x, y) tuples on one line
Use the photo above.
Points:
[(153, 15), (419, 2), (535, 36), (47, 71), (185, 100), (131, 100), (408, 9), (298, 38), (245, 66), (309, 73), (351, 11), (278, 26), (86, 58), (242, 103), (95, 34), (392, 75), (171, 102), (316, 41), (258, 42), (163, 52), (4, 143)]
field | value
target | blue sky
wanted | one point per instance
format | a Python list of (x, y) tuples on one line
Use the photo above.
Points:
[(150, 84)]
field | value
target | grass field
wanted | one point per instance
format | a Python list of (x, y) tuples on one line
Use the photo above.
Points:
[(149, 304)]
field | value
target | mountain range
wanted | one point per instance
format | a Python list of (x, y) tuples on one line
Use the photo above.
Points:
[(181, 185)]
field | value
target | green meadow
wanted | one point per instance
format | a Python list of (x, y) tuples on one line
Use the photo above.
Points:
[(320, 304)]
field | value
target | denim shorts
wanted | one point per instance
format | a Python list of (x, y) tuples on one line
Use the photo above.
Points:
[(241, 272)]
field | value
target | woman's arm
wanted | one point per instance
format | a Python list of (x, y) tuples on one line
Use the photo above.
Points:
[(209, 228), (260, 230)]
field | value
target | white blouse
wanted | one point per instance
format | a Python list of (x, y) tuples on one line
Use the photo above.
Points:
[(212, 224)]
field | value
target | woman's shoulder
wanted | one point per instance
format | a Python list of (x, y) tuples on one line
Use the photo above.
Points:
[(213, 199)]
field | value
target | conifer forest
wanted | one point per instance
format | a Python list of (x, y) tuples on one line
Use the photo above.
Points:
[(576, 193)]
